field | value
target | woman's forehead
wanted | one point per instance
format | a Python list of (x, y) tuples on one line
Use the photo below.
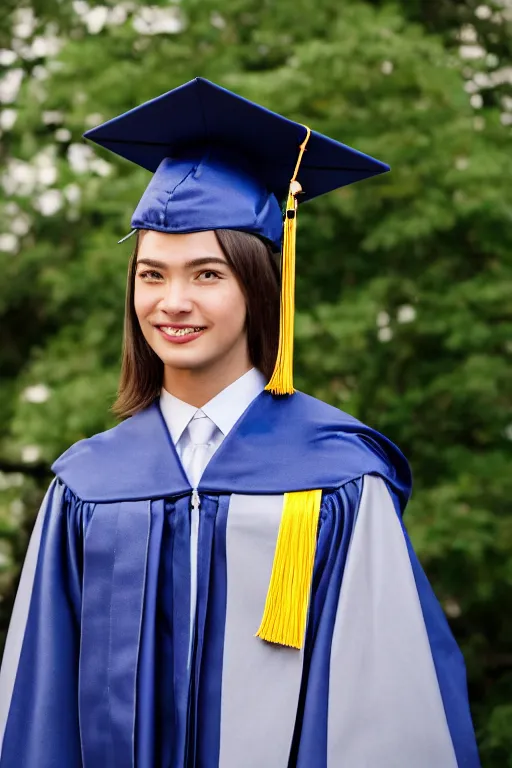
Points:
[(178, 248)]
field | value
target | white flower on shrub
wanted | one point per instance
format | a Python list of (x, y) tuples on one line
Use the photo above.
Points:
[(37, 393), (406, 314), (30, 453), (385, 334)]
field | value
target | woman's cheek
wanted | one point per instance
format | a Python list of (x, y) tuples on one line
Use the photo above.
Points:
[(144, 302), (213, 302)]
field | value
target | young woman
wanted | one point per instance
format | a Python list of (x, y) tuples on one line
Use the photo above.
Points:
[(223, 580)]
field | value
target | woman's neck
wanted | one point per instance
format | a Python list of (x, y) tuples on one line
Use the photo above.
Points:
[(198, 387)]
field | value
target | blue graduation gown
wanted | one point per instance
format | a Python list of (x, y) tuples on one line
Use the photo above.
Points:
[(105, 669)]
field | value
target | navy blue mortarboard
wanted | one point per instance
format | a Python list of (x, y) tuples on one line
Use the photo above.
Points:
[(223, 162)]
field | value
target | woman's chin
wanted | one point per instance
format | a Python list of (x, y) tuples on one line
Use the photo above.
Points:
[(185, 359)]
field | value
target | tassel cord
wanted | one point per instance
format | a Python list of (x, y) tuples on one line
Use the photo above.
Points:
[(281, 381)]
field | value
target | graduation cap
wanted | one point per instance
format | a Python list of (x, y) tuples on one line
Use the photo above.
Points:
[(223, 162)]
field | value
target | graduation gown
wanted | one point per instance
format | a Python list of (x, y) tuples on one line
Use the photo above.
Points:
[(102, 667)]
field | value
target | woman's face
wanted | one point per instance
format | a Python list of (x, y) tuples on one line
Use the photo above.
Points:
[(189, 304)]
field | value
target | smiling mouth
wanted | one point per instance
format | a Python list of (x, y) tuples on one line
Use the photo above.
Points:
[(180, 331)]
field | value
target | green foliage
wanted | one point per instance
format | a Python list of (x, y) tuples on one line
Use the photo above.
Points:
[(404, 282)]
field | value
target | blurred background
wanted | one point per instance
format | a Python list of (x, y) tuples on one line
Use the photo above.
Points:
[(404, 281)]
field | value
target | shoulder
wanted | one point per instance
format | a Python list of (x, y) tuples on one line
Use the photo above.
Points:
[(129, 461), (358, 445), (83, 458), (97, 445), (312, 408), (297, 442), (317, 417)]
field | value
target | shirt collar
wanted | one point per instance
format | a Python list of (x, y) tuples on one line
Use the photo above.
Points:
[(224, 409)]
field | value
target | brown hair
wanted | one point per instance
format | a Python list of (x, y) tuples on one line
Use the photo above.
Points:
[(256, 270)]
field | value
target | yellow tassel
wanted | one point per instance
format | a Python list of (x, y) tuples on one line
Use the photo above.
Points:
[(281, 381), (286, 607)]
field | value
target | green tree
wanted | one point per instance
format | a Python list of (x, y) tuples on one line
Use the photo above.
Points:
[(403, 282)]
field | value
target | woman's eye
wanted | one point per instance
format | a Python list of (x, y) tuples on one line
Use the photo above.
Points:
[(209, 275), (150, 276)]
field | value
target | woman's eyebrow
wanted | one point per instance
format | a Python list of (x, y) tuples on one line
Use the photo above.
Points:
[(204, 260), (152, 263), (201, 262)]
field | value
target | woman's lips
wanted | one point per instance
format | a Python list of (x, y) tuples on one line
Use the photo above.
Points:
[(186, 335)]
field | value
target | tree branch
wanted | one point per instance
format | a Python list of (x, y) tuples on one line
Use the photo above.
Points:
[(39, 471)]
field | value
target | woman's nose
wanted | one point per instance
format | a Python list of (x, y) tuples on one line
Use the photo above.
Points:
[(176, 299)]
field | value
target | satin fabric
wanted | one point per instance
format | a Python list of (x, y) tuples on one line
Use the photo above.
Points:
[(103, 677), (138, 702), (279, 444), (213, 173)]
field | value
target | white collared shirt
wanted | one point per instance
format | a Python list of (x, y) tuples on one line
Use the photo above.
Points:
[(224, 409)]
